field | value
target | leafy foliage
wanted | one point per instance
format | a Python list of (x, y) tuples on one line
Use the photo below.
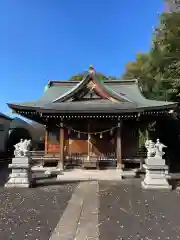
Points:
[(158, 71), (141, 70), (80, 77)]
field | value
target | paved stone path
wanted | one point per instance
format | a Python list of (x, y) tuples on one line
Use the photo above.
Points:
[(120, 210), (80, 219), (88, 222)]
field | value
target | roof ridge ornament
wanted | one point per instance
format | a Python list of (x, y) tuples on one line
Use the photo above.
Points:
[(91, 69), (47, 86)]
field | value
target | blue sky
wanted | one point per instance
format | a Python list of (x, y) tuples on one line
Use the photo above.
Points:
[(45, 40)]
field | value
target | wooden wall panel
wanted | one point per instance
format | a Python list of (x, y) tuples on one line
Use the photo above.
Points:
[(51, 147), (78, 146), (53, 144), (130, 140), (106, 144), (97, 145)]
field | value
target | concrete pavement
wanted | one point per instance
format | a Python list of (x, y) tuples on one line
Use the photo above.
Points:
[(129, 213), (80, 219), (114, 210)]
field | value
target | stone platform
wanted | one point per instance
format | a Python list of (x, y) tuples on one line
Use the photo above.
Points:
[(21, 173), (93, 175), (82, 175), (156, 175)]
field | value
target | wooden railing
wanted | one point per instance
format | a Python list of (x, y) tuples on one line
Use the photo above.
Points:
[(81, 159), (43, 157)]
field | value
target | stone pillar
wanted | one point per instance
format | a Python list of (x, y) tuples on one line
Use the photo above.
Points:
[(21, 175), (118, 147)]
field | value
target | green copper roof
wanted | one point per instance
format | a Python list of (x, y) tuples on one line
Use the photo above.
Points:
[(127, 90), (96, 106)]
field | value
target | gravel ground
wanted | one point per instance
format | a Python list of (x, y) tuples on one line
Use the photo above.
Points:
[(128, 212), (32, 214)]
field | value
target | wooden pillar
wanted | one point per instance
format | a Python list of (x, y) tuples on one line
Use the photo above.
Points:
[(89, 141), (118, 146), (46, 140), (61, 142)]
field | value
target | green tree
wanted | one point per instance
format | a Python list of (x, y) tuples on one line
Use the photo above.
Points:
[(103, 77), (158, 71), (142, 70), (165, 56), (78, 77)]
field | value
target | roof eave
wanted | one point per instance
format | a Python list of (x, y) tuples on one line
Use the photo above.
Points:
[(16, 108)]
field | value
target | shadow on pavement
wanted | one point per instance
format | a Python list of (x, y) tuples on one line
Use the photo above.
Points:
[(174, 182), (4, 173), (53, 182)]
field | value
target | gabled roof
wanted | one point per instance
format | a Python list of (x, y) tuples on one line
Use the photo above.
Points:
[(116, 96), (129, 89), (97, 85)]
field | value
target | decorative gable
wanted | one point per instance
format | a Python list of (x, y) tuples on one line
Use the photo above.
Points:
[(87, 95), (90, 88)]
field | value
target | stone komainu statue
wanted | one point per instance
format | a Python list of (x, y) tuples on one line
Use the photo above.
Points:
[(159, 149), (150, 146), (154, 149), (22, 148)]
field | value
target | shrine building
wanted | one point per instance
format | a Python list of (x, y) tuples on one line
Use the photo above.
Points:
[(93, 121)]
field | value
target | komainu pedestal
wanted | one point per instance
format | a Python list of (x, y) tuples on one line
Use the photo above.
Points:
[(155, 174), (21, 175), (155, 168)]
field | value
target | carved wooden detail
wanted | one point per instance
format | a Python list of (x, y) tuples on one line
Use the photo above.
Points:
[(91, 85)]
